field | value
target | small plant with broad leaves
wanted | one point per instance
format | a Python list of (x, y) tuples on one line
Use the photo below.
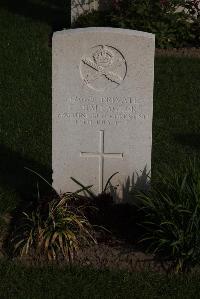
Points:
[(171, 217), (55, 228)]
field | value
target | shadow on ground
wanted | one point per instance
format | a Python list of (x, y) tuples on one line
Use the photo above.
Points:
[(25, 184), (14, 175), (188, 139)]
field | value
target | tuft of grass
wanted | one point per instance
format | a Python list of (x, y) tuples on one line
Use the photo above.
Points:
[(53, 228), (171, 212)]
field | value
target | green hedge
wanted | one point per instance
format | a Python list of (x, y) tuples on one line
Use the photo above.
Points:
[(172, 27)]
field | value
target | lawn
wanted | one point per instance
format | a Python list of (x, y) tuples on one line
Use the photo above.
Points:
[(25, 140), (20, 282), (176, 123)]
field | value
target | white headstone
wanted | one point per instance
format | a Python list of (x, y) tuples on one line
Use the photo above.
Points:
[(102, 107)]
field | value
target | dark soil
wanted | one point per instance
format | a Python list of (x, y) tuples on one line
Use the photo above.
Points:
[(118, 255), (118, 248)]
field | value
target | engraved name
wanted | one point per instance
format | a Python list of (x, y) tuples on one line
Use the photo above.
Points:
[(108, 100), (103, 110)]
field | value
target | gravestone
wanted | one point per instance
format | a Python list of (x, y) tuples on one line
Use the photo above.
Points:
[(102, 108)]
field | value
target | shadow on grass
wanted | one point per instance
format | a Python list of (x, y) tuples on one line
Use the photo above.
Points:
[(14, 176), (55, 13), (188, 139)]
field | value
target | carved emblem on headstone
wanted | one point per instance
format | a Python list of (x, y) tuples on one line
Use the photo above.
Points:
[(104, 67)]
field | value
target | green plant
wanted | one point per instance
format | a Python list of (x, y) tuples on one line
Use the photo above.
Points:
[(54, 227), (175, 23), (58, 230), (171, 212)]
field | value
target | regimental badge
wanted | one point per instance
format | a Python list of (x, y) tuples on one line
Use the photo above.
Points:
[(104, 67)]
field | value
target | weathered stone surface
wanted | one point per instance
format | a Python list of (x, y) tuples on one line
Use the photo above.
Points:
[(102, 107)]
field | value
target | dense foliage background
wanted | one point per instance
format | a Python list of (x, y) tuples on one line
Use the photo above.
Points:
[(176, 23)]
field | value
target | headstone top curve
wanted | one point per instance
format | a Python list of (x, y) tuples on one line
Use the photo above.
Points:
[(130, 32)]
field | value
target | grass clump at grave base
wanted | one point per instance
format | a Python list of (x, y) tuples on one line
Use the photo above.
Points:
[(53, 227), (171, 216)]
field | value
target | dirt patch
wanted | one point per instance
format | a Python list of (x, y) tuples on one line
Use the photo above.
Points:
[(115, 255), (119, 257), (182, 52), (112, 252)]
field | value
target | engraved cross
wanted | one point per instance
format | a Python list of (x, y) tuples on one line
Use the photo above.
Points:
[(101, 155)]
